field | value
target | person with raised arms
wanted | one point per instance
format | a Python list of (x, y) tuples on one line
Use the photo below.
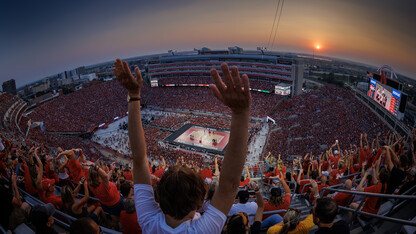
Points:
[(180, 192)]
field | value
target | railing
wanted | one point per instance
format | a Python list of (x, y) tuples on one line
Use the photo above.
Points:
[(380, 195), (268, 212), (79, 194), (337, 185)]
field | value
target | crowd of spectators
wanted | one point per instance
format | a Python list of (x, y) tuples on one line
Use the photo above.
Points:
[(310, 122), (385, 168), (328, 116), (82, 110)]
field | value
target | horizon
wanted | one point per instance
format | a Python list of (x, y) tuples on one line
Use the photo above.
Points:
[(43, 39)]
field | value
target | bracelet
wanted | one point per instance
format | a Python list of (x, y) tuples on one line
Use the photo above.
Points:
[(134, 99)]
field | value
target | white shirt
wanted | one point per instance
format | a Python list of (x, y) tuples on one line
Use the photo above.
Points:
[(249, 208), (152, 219)]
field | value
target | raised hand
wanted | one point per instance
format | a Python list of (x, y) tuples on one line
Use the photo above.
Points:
[(126, 79), (233, 92)]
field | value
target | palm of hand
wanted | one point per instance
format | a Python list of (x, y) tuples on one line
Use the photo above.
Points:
[(126, 78)]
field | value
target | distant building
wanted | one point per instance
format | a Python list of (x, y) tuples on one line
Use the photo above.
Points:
[(90, 77), (41, 87), (10, 87)]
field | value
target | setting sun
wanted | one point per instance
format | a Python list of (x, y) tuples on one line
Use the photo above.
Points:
[(318, 47)]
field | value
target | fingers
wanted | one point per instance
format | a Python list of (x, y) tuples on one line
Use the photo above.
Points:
[(126, 69), (217, 80), (138, 74), (227, 76), (236, 77)]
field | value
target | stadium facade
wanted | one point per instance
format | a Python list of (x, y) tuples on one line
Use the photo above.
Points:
[(281, 69)]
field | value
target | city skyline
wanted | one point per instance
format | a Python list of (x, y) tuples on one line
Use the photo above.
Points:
[(45, 38)]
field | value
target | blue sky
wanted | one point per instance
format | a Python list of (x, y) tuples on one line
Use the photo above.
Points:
[(41, 38)]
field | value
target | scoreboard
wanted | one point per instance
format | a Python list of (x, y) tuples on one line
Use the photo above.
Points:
[(282, 90), (386, 96)]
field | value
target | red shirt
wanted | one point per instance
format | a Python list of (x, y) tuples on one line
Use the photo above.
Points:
[(128, 176), (50, 174), (325, 166), (342, 199), (363, 155), (268, 174), (302, 184), (108, 195), (206, 173), (129, 222), (371, 202), (4, 167), (28, 182), (75, 170), (284, 206), (52, 198), (159, 172), (337, 176), (277, 171), (245, 182)]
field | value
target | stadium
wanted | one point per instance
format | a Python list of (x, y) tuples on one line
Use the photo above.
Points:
[(292, 129)]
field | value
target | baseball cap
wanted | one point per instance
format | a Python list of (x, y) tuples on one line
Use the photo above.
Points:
[(276, 191), (40, 214), (325, 173), (336, 152), (47, 183)]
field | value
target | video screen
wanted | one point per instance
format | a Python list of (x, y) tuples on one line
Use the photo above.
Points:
[(384, 95), (282, 90)]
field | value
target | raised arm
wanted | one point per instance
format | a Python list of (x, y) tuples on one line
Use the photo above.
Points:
[(234, 93), (259, 200), (38, 181), (372, 144), (284, 184), (363, 179), (389, 161), (104, 176), (81, 202), (216, 170), (248, 172), (299, 175), (16, 195), (366, 141), (136, 133)]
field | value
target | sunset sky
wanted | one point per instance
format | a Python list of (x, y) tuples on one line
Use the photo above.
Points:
[(42, 38)]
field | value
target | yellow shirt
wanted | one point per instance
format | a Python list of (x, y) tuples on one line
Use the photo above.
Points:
[(303, 227)]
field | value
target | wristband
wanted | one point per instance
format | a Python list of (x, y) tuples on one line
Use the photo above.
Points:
[(134, 99), (256, 192), (317, 195)]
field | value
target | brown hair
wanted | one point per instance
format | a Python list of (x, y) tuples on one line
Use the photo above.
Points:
[(93, 178), (66, 194), (180, 191), (290, 221), (276, 200)]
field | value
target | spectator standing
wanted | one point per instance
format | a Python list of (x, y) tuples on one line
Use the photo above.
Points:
[(180, 191)]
